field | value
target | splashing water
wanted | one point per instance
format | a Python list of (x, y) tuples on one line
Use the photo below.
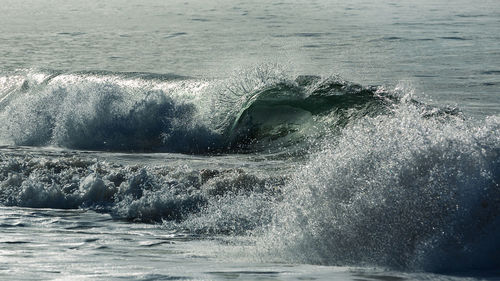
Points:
[(335, 173)]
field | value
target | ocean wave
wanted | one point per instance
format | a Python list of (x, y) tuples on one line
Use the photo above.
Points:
[(258, 109), (387, 181)]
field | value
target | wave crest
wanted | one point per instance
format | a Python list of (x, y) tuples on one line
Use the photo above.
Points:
[(258, 110)]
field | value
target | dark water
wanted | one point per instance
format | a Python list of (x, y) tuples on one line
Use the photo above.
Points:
[(252, 141)]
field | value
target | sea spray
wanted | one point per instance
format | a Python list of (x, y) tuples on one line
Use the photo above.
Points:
[(104, 111), (401, 191)]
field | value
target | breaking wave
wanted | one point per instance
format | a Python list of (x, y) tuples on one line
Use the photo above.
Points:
[(139, 112), (385, 181)]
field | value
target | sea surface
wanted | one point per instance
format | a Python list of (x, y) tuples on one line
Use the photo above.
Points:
[(249, 140)]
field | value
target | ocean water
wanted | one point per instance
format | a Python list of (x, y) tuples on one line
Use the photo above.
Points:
[(249, 140)]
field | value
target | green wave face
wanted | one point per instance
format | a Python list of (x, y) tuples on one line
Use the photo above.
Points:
[(288, 112)]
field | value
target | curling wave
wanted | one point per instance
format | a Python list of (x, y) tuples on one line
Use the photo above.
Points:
[(167, 113)]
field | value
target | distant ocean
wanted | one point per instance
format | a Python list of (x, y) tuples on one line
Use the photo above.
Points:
[(249, 140)]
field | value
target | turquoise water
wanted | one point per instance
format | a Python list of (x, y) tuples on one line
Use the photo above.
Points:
[(290, 140)]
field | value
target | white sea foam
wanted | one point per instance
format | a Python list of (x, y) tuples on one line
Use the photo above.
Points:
[(401, 191)]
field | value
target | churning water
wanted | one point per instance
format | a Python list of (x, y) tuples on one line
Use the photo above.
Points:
[(294, 140)]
